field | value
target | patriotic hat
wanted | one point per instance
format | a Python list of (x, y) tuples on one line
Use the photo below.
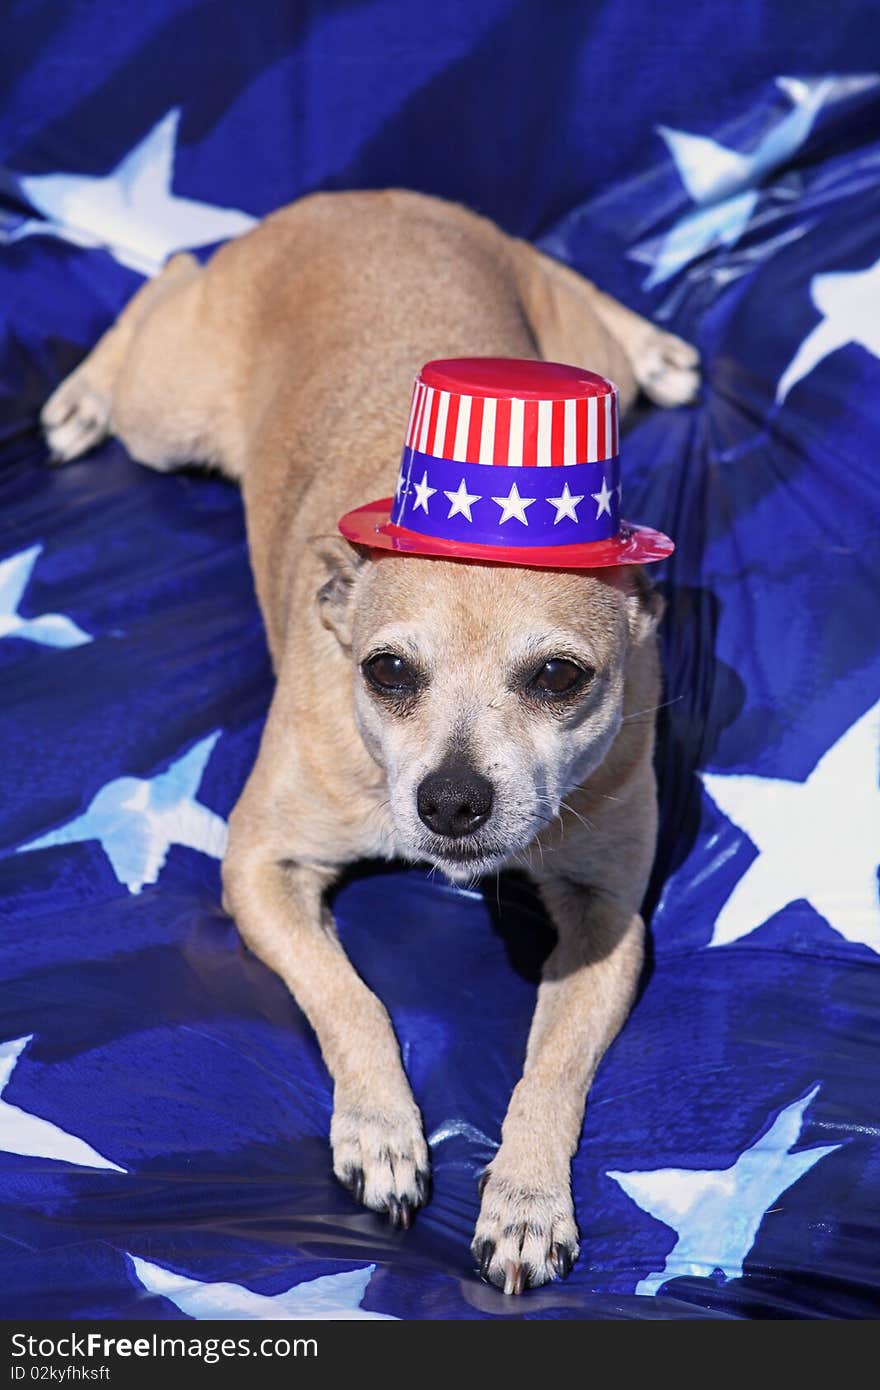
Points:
[(511, 462)]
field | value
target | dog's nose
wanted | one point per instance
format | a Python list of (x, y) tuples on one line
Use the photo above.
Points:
[(454, 801)]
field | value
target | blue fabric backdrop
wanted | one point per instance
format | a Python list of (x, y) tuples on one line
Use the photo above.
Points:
[(163, 1107)]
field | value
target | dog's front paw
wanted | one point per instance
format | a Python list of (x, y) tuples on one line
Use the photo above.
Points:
[(382, 1158), (526, 1235)]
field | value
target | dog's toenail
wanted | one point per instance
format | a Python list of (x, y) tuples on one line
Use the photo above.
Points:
[(514, 1277), (484, 1257)]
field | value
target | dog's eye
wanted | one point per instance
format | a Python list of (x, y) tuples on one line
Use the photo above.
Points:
[(388, 671), (559, 677)]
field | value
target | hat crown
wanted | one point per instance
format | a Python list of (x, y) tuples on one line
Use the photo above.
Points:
[(512, 412), (509, 377)]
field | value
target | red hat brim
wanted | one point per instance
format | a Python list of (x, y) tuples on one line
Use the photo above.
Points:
[(636, 545)]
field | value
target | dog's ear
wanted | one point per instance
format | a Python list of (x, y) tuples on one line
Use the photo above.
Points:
[(342, 564), (644, 606)]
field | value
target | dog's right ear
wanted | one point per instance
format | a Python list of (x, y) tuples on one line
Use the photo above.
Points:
[(342, 563)]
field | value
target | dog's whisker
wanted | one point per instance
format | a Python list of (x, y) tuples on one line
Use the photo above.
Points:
[(547, 849), (520, 857), (379, 807), (567, 806), (556, 815), (630, 718), (584, 820)]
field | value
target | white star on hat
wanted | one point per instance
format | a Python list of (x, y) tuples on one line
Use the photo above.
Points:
[(602, 498), (514, 506), (462, 501), (423, 493), (565, 505)]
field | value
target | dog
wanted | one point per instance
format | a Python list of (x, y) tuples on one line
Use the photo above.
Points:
[(287, 362)]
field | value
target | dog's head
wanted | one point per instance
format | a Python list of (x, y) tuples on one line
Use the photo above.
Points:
[(485, 692)]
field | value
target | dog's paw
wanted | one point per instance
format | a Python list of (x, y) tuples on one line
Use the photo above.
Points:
[(525, 1236), (75, 418), (382, 1159), (667, 369)]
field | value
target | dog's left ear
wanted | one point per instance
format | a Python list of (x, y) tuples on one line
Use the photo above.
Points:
[(644, 606), (342, 563)]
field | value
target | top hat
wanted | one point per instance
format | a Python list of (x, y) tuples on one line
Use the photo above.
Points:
[(511, 462)]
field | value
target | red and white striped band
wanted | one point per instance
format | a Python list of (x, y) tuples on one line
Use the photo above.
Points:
[(511, 432)]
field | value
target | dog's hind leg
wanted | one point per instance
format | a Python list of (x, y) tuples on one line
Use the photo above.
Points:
[(157, 380), (565, 311), (77, 415)]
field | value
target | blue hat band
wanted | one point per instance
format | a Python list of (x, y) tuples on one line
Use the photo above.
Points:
[(489, 504)]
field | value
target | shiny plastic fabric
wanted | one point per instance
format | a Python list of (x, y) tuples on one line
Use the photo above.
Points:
[(164, 1110)]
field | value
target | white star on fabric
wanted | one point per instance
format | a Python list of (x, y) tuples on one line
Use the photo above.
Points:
[(849, 303), (49, 629), (332, 1296), (565, 505), (131, 211), (716, 1213), (401, 485), (33, 1137), (424, 493), (513, 506), (817, 840), (462, 501), (723, 182), (602, 498), (137, 820)]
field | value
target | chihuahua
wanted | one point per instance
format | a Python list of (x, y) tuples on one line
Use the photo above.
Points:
[(469, 716)]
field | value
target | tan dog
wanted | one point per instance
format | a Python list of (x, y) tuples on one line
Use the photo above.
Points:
[(288, 362)]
